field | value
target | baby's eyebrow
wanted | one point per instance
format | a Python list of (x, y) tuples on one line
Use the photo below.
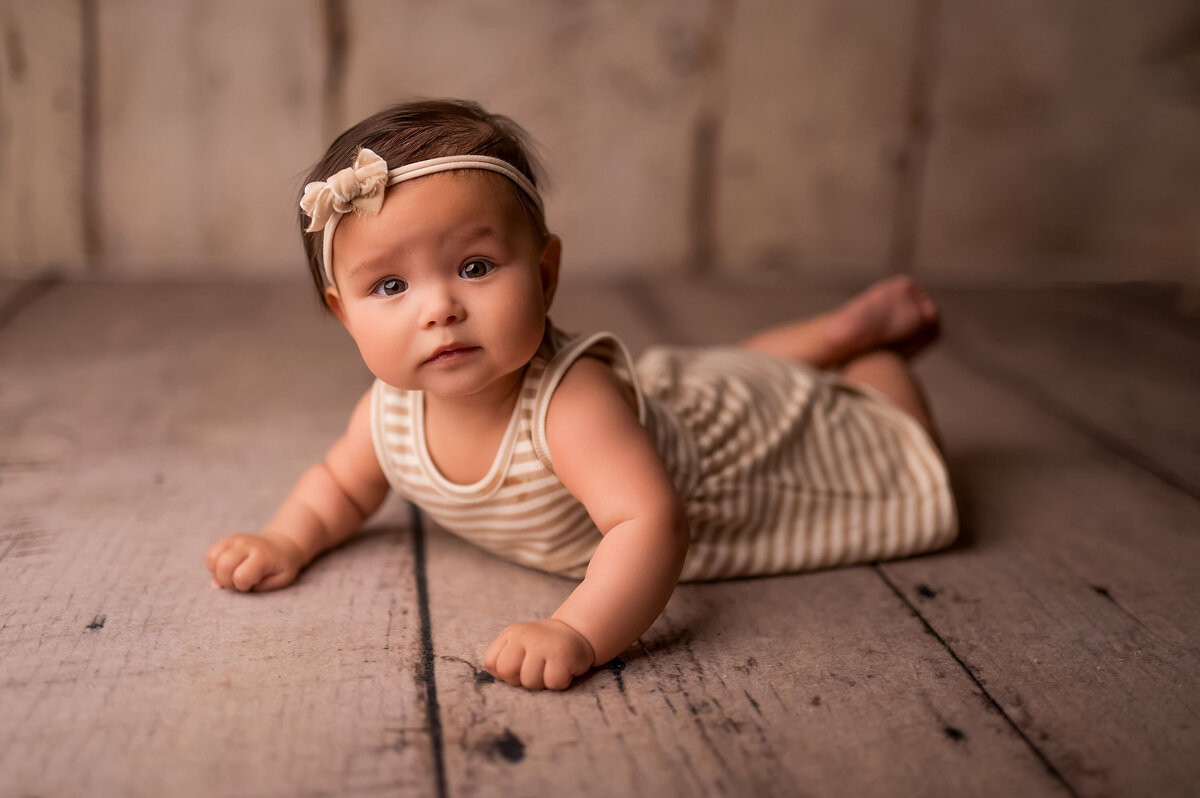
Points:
[(478, 231), (367, 267), (467, 234)]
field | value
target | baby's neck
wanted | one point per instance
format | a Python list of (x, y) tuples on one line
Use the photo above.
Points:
[(463, 433)]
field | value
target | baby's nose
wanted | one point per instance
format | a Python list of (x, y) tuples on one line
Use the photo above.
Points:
[(443, 309), (441, 319)]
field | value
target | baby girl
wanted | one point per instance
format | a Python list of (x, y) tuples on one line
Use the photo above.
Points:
[(808, 446)]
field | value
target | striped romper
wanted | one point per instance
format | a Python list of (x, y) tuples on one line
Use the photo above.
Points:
[(781, 467)]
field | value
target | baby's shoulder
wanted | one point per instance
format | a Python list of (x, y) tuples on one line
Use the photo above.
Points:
[(591, 379)]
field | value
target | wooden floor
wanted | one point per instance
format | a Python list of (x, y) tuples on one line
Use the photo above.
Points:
[(1054, 650)]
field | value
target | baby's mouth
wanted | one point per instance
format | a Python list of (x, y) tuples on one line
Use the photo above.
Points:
[(451, 354)]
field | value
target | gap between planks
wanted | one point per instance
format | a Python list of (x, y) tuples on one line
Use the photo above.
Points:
[(1053, 771)]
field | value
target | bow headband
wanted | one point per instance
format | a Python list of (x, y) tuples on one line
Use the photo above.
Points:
[(361, 188)]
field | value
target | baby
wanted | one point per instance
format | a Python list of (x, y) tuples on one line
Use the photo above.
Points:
[(808, 446)]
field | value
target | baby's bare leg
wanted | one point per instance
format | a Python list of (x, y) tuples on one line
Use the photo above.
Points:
[(888, 373), (895, 312), (806, 340)]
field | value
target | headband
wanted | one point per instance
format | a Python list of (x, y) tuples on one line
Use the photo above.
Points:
[(361, 188)]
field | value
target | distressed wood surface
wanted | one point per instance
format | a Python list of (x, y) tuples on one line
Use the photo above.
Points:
[(1066, 142), (829, 140), (1050, 652), (1071, 597), (806, 178), (137, 426), (42, 138), (209, 118), (1122, 370)]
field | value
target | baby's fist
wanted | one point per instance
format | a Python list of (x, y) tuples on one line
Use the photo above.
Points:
[(254, 562), (539, 654)]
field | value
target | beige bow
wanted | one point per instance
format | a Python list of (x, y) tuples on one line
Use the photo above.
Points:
[(359, 187)]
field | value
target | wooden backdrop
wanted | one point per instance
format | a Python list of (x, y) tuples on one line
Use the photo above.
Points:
[(836, 140)]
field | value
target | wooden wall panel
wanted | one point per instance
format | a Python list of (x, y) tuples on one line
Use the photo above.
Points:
[(609, 89), (1066, 143), (815, 118), (209, 117), (41, 138), (837, 141)]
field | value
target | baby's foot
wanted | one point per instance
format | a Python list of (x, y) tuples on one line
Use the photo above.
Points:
[(895, 313)]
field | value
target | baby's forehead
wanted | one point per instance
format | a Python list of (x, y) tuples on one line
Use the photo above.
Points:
[(485, 185), (444, 207)]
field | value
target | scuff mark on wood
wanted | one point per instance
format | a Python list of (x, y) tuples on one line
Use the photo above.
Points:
[(506, 746), (753, 703), (1104, 591), (615, 666)]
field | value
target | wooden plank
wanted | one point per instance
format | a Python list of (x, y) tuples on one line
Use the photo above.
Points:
[(610, 92), (41, 138), (807, 178), (823, 683), (139, 424), (1071, 596), (209, 118), (1067, 146), (1127, 380)]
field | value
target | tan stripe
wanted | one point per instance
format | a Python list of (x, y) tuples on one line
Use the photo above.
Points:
[(861, 546), (500, 508), (831, 538), (544, 516), (764, 416)]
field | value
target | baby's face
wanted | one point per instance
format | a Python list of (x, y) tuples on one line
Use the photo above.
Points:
[(446, 289)]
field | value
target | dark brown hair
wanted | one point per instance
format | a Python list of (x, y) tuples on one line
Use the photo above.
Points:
[(415, 131)]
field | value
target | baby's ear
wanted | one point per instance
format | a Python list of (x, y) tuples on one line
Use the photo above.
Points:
[(548, 266), (335, 304)]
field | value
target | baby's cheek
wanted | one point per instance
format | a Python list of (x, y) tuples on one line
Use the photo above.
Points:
[(385, 365)]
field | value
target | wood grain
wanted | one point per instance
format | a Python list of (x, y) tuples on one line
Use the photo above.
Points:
[(807, 178), (1052, 651), (1066, 143), (209, 118), (137, 426), (1098, 358), (41, 138), (1071, 596)]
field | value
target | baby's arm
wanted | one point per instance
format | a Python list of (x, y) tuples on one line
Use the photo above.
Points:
[(329, 502), (603, 456)]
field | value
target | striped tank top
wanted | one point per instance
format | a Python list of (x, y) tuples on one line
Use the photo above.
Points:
[(781, 467)]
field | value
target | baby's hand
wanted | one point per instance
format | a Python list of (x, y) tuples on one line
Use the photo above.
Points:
[(254, 562), (539, 654)]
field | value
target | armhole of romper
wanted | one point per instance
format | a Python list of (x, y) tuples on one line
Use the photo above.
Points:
[(620, 361), (378, 397)]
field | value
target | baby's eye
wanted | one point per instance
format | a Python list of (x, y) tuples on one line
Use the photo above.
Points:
[(390, 287), (475, 269)]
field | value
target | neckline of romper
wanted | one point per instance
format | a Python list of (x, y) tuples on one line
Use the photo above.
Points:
[(493, 480)]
